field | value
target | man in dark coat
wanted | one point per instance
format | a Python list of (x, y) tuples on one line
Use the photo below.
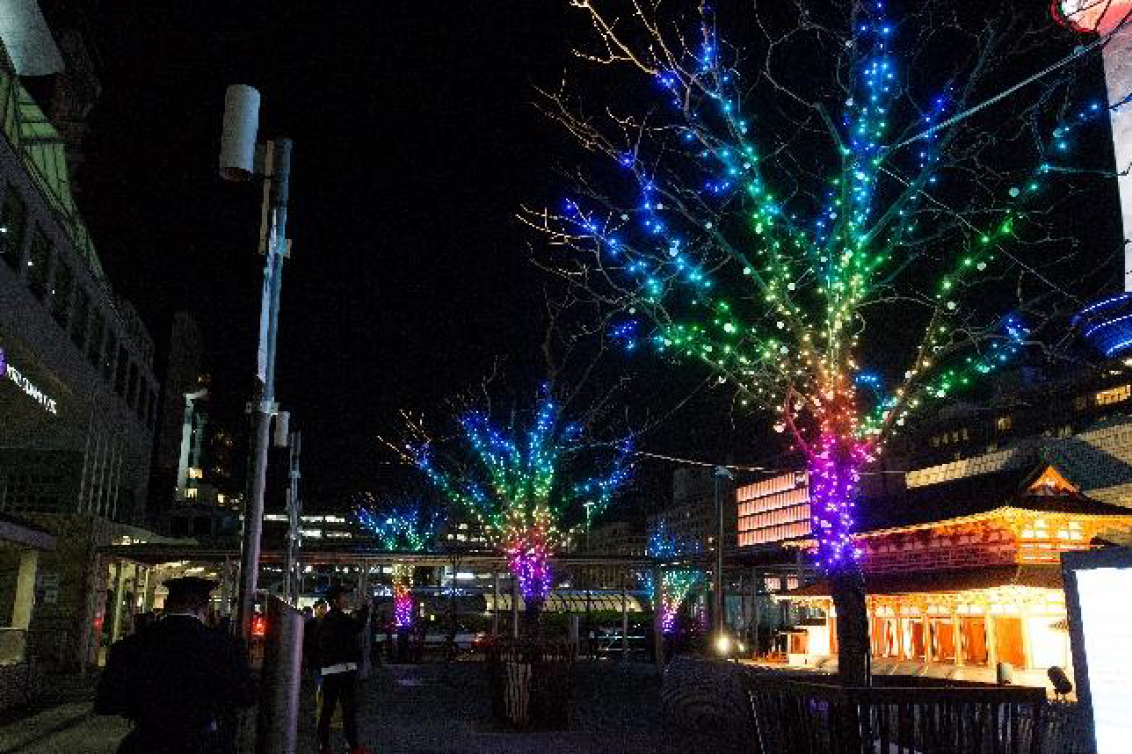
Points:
[(339, 651), (177, 679)]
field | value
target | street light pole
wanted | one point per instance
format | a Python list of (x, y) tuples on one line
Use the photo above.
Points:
[(239, 160), (719, 475), (294, 520)]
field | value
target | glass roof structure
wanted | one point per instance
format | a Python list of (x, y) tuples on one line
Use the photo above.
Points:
[(43, 150)]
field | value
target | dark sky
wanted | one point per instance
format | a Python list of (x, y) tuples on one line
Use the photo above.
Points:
[(414, 146)]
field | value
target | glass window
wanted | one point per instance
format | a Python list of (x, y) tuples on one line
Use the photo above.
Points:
[(108, 354), (1003, 423), (143, 396), (80, 318), (132, 387), (95, 337), (39, 264), (13, 223), (61, 293), (120, 371)]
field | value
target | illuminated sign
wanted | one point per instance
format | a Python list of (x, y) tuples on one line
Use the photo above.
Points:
[(1107, 624), (7, 371)]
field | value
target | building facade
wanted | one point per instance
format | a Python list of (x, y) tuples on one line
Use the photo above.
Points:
[(971, 578), (78, 398)]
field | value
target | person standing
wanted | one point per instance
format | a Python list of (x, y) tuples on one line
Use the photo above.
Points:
[(339, 650), (177, 679)]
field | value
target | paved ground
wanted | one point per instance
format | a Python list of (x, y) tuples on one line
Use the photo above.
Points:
[(422, 709)]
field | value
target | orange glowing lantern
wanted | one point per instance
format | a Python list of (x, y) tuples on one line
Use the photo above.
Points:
[(1091, 16)]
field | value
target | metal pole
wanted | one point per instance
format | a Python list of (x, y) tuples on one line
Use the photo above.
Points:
[(277, 723), (755, 608), (294, 518), (515, 607), (720, 474), (624, 619), (495, 604), (275, 248)]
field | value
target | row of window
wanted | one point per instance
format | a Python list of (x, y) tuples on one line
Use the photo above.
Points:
[(52, 281), (1106, 397)]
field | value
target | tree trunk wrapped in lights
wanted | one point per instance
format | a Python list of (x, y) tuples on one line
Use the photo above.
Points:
[(524, 484), (400, 527), (790, 226), (676, 581), (402, 596)]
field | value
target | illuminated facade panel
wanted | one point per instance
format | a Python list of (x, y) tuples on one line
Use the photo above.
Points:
[(774, 510)]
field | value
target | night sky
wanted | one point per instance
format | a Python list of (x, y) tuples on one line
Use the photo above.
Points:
[(415, 144)]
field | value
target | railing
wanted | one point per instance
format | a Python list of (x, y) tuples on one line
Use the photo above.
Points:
[(803, 717)]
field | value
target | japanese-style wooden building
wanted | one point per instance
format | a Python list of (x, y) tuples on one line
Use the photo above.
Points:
[(965, 574)]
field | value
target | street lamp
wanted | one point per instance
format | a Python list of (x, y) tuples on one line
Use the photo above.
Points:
[(240, 159), (720, 473)]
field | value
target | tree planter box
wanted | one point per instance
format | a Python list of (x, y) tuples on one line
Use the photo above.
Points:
[(530, 683)]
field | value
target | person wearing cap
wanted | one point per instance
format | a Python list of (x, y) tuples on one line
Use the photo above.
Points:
[(339, 650), (177, 679)]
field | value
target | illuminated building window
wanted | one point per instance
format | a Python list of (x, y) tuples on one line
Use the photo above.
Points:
[(1003, 423), (1114, 395), (13, 223), (1080, 402)]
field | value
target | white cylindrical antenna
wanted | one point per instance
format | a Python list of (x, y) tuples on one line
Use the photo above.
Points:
[(237, 140)]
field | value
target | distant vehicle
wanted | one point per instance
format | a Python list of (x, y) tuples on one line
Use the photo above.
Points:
[(466, 639)]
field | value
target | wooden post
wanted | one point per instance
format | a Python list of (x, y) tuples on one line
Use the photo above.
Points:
[(992, 650), (899, 632), (957, 637), (927, 629), (495, 604)]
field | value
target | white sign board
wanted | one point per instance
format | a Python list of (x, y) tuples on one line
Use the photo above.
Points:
[(1106, 622)]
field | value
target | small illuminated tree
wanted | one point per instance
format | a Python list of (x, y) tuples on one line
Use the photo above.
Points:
[(676, 582), (798, 253), (400, 527), (524, 484)]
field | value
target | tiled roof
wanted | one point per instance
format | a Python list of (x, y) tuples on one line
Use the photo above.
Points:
[(960, 498)]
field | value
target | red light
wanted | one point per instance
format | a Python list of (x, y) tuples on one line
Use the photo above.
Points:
[(259, 626)]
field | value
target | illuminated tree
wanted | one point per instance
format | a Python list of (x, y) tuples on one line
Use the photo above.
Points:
[(800, 255), (676, 582), (522, 484), (400, 527)]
